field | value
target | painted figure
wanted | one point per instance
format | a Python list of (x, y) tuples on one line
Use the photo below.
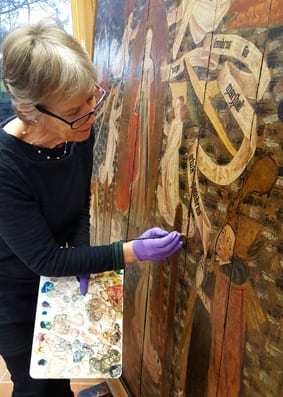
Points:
[(229, 307), (119, 55), (228, 337), (143, 111), (168, 192), (106, 170)]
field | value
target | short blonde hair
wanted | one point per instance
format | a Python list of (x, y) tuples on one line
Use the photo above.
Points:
[(42, 62)]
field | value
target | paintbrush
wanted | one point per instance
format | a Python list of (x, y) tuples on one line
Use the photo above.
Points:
[(141, 238), (182, 238)]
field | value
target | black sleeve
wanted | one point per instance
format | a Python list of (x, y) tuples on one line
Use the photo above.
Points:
[(26, 234), (79, 233)]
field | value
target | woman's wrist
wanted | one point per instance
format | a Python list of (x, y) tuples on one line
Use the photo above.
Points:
[(128, 253)]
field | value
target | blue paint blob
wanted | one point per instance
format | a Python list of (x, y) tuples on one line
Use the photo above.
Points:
[(78, 356), (115, 371), (47, 287), (42, 362), (44, 312), (45, 304), (46, 324)]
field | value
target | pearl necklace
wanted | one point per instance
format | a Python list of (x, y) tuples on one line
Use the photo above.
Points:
[(48, 157), (41, 152)]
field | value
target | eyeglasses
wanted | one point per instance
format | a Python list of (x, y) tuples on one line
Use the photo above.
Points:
[(99, 95)]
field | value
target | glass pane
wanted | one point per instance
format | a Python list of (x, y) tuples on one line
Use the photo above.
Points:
[(14, 13)]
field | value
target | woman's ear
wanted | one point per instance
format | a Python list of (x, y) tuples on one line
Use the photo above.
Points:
[(27, 113)]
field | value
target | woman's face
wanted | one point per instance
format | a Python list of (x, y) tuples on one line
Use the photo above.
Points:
[(70, 109)]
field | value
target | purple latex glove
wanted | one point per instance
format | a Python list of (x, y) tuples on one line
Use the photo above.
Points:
[(83, 279), (149, 247)]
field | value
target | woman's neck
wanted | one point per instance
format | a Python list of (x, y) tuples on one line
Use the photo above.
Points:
[(32, 134)]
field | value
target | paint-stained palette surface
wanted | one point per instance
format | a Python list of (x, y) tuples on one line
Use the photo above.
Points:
[(78, 336)]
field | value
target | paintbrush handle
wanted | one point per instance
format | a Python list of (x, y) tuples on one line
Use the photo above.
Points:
[(141, 238), (182, 237)]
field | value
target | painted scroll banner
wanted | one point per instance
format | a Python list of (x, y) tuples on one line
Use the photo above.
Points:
[(78, 336), (239, 88)]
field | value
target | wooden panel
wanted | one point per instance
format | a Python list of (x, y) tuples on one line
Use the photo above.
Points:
[(110, 60), (148, 99), (190, 140), (120, 68)]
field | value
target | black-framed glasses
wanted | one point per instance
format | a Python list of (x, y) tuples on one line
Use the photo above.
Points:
[(99, 95)]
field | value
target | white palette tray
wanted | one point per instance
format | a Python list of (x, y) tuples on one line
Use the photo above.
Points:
[(78, 336)]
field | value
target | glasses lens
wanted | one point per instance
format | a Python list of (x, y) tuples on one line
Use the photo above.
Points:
[(98, 101), (83, 120)]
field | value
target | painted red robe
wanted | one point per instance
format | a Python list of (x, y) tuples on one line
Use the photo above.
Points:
[(228, 337)]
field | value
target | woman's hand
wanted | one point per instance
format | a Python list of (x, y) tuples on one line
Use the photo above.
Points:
[(156, 244)]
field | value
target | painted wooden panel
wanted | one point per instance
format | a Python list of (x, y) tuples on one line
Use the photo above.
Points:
[(189, 138)]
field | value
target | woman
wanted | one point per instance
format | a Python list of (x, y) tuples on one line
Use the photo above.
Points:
[(45, 171)]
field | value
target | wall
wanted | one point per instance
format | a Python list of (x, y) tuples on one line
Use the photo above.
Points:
[(190, 139)]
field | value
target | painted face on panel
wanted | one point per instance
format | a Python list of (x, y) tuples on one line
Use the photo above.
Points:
[(225, 243)]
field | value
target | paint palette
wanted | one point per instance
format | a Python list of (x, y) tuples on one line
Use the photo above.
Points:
[(78, 336)]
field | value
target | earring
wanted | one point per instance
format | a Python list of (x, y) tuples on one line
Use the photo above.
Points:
[(33, 122)]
